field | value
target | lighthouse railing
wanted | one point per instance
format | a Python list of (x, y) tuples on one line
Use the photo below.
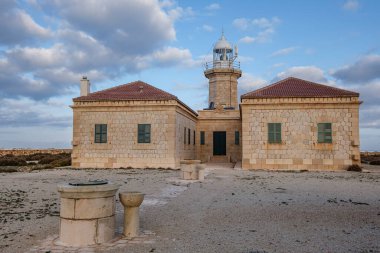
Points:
[(222, 65)]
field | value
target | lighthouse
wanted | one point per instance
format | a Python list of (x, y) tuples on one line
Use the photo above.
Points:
[(223, 73)]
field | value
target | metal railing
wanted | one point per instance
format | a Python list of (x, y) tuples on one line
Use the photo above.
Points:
[(222, 64)]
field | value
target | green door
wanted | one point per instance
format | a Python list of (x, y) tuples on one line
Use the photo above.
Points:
[(219, 142)]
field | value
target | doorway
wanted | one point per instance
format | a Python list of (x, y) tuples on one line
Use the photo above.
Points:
[(219, 143)]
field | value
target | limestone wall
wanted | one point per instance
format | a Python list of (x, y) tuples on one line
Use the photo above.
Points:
[(219, 120), (299, 148), (184, 150), (122, 148)]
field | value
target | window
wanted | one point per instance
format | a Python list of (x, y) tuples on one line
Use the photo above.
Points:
[(237, 138), (188, 136), (100, 133), (194, 137), (324, 133), (274, 132), (202, 138), (143, 133), (184, 135)]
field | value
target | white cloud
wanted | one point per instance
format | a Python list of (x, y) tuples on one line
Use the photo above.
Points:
[(249, 82), (284, 51), (142, 25), (167, 3), (213, 7), (18, 27), (351, 5), (277, 65), (241, 23), (263, 23), (124, 37), (208, 28), (366, 68), (266, 23), (266, 28), (180, 13), (310, 73), (21, 112), (247, 39), (168, 57)]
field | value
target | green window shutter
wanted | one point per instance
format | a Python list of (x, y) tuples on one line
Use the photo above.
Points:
[(100, 133), (143, 135), (274, 133), (202, 138), (324, 132), (104, 133), (237, 138), (140, 136), (147, 133)]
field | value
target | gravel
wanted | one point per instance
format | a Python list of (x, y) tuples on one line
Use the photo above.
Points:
[(231, 211)]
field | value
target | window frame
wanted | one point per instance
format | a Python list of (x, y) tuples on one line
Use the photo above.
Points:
[(194, 137), (202, 138), (237, 138), (323, 132), (274, 133), (100, 133), (184, 135), (146, 131)]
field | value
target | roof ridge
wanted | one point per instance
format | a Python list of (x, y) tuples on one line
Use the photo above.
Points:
[(268, 86), (111, 88), (288, 87), (156, 88)]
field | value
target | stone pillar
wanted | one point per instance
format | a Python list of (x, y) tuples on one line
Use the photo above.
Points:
[(131, 202), (192, 170), (87, 214)]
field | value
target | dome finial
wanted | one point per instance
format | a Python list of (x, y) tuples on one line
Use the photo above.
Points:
[(222, 37)]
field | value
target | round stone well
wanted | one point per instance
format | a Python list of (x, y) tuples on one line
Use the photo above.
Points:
[(87, 214)]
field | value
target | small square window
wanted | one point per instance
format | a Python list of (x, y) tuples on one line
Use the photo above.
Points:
[(324, 133), (143, 133), (274, 132), (100, 133)]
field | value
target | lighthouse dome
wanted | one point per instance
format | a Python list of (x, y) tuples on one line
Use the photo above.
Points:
[(222, 43)]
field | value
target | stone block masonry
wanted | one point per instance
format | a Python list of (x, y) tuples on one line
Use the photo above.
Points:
[(299, 148), (166, 148)]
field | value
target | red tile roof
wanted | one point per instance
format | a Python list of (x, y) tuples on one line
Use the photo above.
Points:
[(295, 87), (137, 90)]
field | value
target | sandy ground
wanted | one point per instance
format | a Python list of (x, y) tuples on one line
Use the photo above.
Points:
[(231, 211)]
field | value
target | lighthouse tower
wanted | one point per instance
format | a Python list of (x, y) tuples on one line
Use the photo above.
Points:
[(223, 73)]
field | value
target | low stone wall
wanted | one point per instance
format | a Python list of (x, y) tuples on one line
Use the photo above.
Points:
[(370, 153), (18, 152)]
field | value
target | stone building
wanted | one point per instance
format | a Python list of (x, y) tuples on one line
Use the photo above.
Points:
[(291, 124)]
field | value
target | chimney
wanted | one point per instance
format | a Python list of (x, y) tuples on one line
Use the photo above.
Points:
[(84, 86)]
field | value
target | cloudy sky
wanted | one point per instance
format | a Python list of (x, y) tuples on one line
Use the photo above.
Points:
[(47, 45)]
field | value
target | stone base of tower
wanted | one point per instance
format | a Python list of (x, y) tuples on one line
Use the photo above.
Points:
[(219, 134), (223, 86)]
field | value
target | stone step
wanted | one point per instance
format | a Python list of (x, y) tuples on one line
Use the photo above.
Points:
[(219, 159)]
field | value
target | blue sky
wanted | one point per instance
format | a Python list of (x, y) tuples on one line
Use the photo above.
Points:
[(46, 46)]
